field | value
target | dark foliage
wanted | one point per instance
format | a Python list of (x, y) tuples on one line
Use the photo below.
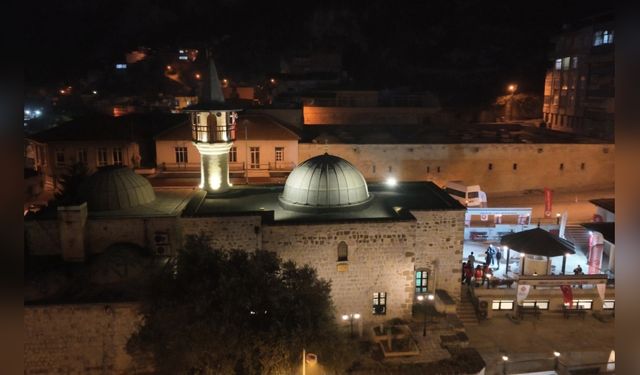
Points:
[(214, 312), (69, 184)]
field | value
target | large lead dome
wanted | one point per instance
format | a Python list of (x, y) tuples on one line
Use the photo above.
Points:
[(325, 181), (116, 188)]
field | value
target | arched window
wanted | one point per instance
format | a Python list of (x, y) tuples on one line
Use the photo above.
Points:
[(343, 252)]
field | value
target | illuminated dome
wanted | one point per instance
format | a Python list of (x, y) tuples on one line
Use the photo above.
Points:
[(325, 182), (116, 188)]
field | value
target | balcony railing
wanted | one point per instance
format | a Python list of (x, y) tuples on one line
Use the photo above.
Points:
[(276, 166)]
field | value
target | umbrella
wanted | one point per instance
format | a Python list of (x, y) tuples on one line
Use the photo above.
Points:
[(538, 241)]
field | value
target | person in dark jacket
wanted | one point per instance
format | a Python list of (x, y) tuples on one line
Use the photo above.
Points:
[(498, 257)]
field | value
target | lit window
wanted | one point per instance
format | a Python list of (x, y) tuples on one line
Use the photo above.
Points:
[(379, 303), (279, 153), (82, 156), (343, 252), (102, 157), (574, 62), (502, 304), (558, 64), (117, 156), (60, 158), (255, 157), (540, 304), (121, 66), (584, 304), (607, 37), (609, 304), (566, 62), (181, 155), (422, 281), (233, 155)]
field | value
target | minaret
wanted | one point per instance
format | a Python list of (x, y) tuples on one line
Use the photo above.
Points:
[(213, 129)]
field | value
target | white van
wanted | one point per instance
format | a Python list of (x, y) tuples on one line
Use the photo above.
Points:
[(469, 195)]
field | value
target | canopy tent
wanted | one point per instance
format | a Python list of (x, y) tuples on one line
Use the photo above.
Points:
[(538, 241)]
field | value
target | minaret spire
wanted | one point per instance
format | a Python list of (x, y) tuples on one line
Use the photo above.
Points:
[(215, 89)]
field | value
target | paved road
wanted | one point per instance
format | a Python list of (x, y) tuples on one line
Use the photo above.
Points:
[(576, 203)]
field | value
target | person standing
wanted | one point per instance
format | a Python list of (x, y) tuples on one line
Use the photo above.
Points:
[(489, 256), (498, 257), (468, 273), (471, 260), (464, 268), (478, 275)]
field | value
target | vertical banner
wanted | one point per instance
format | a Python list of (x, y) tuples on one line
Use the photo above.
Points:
[(563, 223), (523, 292), (567, 294), (548, 195), (596, 249)]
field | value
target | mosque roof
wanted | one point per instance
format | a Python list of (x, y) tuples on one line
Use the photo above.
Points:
[(325, 182), (116, 188)]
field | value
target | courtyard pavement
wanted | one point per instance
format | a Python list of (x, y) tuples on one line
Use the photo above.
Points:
[(532, 342)]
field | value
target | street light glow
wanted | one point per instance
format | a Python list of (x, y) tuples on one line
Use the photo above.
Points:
[(420, 298), (391, 181), (557, 354), (345, 317), (356, 316), (430, 297), (505, 358)]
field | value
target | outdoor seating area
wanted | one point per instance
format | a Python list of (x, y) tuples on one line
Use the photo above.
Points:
[(522, 311), (567, 313)]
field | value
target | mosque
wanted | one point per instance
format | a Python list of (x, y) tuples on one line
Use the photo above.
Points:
[(380, 245)]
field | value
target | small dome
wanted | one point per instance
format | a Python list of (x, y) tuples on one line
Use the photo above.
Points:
[(116, 188), (325, 181)]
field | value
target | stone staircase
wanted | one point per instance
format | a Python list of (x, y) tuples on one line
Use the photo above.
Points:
[(579, 235), (466, 312)]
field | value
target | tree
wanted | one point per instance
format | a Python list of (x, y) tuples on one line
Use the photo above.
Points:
[(69, 184), (214, 312)]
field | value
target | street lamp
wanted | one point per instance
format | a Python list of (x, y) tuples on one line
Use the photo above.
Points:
[(504, 364), (351, 318), (512, 89), (556, 356), (424, 310)]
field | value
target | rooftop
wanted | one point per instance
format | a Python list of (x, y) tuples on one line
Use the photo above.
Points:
[(257, 127), (388, 203), (139, 126), (436, 134), (608, 204)]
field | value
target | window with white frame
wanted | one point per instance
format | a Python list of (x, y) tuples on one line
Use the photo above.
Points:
[(279, 153), (233, 155), (502, 304), (60, 162), (566, 62), (574, 62), (379, 303), (609, 304), (181, 155), (102, 157), (584, 304), (540, 304), (117, 156), (255, 157), (82, 155)]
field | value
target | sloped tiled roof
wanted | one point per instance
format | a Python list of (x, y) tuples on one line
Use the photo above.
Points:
[(258, 127), (96, 127)]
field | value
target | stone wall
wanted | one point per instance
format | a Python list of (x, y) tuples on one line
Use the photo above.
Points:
[(42, 237), (226, 232), (79, 339), (439, 241), (537, 165), (380, 259)]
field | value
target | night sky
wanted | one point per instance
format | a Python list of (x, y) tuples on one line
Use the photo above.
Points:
[(457, 48)]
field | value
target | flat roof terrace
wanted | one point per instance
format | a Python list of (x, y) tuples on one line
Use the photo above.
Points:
[(389, 203)]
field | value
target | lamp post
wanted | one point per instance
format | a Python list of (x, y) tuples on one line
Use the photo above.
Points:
[(504, 364), (424, 310), (351, 318), (512, 89), (556, 362)]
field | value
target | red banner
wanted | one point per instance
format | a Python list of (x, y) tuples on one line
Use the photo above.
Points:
[(547, 202), (567, 294)]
